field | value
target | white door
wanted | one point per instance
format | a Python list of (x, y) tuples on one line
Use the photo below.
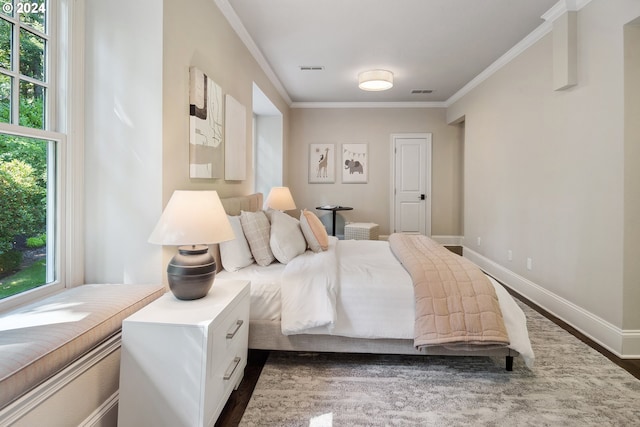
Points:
[(411, 204)]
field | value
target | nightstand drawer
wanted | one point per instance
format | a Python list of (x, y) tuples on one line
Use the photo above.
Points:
[(233, 334), (227, 357), (229, 340)]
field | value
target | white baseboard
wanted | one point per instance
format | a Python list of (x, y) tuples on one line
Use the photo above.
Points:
[(623, 343), (104, 411), (630, 344), (443, 240)]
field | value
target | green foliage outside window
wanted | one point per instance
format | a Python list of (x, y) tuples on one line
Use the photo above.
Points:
[(37, 241), (22, 202), (23, 160), (10, 261)]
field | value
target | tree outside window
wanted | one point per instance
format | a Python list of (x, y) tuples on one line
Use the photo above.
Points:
[(25, 162)]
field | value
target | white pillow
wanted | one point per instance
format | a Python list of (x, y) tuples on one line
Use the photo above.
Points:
[(287, 240), (257, 230), (235, 254)]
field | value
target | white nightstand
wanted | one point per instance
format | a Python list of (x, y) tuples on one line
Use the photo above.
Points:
[(181, 359)]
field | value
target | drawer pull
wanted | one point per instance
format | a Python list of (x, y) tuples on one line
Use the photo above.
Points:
[(232, 334), (231, 369)]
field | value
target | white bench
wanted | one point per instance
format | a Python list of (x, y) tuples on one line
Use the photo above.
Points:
[(42, 338)]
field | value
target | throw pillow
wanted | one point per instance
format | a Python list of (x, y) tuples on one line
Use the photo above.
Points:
[(235, 254), (257, 230), (314, 232), (287, 240)]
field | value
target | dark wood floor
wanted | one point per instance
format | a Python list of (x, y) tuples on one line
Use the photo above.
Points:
[(234, 409), (631, 365)]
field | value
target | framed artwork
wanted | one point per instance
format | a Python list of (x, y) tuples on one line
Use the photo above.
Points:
[(322, 163), (206, 148), (235, 138), (355, 163)]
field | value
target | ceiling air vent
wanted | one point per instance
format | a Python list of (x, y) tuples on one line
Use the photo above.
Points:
[(311, 68), (417, 91)]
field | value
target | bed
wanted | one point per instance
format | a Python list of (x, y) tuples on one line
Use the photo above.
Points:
[(370, 309)]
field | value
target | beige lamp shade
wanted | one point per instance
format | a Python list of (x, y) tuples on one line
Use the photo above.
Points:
[(192, 218), (375, 80), (280, 198)]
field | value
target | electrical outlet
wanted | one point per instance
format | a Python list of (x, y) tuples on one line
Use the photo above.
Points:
[(529, 264), (479, 240), (510, 255)]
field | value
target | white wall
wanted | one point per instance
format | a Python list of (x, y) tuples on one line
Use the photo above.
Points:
[(268, 157), (123, 140), (138, 56), (544, 174)]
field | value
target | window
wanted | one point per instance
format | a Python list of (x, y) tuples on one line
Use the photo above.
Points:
[(30, 152), (267, 143)]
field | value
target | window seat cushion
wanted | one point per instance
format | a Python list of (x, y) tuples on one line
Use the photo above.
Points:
[(41, 338)]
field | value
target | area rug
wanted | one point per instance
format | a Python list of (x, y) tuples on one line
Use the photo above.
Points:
[(570, 385)]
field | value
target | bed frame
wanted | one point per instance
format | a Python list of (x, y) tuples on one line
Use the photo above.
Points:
[(267, 335)]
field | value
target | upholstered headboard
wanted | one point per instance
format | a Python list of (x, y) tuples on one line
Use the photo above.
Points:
[(250, 203), (233, 206)]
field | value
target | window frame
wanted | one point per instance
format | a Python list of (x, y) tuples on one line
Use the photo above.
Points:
[(56, 169), (51, 63), (64, 127)]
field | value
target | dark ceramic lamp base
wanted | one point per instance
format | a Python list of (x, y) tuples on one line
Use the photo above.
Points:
[(191, 272)]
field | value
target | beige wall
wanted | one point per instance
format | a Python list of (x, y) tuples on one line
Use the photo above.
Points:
[(137, 121), (374, 126), (631, 319), (200, 36), (547, 175), (544, 170)]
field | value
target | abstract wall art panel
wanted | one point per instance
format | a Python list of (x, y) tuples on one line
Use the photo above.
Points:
[(206, 144), (235, 138)]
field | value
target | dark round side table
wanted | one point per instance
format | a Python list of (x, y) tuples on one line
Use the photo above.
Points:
[(334, 209)]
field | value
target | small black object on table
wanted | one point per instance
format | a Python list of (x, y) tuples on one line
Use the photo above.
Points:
[(334, 209)]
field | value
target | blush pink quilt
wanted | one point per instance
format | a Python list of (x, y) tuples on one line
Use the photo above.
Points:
[(456, 304)]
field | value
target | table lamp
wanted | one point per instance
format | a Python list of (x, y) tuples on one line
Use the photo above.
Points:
[(280, 199), (191, 221)]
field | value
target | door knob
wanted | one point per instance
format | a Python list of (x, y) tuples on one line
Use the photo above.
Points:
[(422, 197)]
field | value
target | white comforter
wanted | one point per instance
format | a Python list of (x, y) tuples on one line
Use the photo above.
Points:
[(359, 289)]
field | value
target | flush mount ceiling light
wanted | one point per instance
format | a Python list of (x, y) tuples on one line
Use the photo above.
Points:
[(375, 80)]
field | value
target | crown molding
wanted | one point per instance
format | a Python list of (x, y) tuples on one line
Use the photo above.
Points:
[(552, 14), (367, 105), (559, 9), (562, 7), (242, 32), (543, 29)]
